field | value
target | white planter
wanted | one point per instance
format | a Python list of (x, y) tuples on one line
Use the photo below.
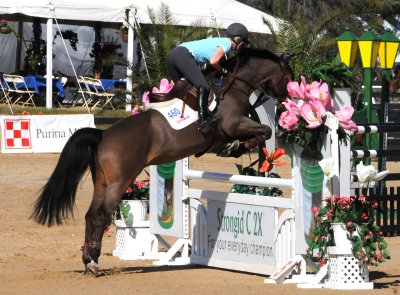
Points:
[(340, 236), (137, 211)]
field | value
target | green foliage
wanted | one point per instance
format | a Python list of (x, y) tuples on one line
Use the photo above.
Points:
[(35, 60), (334, 72), (69, 35), (254, 189), (105, 56)]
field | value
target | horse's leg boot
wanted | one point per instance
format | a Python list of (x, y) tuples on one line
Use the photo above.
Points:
[(206, 119)]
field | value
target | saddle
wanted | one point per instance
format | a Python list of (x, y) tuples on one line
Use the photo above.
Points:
[(182, 90)]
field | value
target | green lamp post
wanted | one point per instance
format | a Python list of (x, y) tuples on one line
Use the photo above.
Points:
[(369, 46), (387, 56)]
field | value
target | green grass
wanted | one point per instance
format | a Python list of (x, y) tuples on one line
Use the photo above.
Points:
[(19, 110)]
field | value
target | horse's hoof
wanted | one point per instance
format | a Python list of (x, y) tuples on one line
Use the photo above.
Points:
[(92, 268)]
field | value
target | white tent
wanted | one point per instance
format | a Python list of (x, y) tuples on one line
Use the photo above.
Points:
[(184, 11), (211, 13)]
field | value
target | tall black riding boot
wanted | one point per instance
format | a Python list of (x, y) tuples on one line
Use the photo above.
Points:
[(206, 119)]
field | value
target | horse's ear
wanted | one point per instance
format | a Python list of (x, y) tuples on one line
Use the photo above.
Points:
[(286, 57)]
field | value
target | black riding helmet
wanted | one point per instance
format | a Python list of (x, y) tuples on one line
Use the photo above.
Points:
[(237, 29)]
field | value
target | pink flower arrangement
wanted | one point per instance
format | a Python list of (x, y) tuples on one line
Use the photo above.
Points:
[(302, 118), (165, 87)]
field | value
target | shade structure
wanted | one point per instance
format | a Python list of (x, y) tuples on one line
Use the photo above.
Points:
[(211, 13)]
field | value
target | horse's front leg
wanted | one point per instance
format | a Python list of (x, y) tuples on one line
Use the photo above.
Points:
[(244, 127)]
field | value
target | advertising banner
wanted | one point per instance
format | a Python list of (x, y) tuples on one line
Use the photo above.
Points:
[(40, 133), (241, 232)]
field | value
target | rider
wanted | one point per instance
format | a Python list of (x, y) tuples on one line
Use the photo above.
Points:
[(185, 59)]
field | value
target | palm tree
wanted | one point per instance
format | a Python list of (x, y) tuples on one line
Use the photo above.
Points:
[(310, 45)]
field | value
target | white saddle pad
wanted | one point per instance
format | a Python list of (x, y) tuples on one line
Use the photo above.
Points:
[(172, 111)]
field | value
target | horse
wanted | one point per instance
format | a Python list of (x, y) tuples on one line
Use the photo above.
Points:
[(118, 154)]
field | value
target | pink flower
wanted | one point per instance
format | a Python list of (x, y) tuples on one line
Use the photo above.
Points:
[(295, 90), (146, 98), (364, 216), (349, 224), (288, 120), (344, 116), (320, 91), (166, 86), (135, 111), (310, 113)]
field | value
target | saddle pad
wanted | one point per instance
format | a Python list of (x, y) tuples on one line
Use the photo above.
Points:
[(172, 111)]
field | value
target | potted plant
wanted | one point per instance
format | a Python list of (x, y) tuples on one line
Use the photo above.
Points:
[(105, 56), (123, 30), (5, 27), (349, 222), (134, 203), (355, 217)]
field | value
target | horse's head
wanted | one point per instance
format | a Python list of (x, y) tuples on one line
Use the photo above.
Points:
[(262, 68)]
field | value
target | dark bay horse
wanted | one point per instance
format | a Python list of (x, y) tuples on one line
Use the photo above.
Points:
[(118, 155)]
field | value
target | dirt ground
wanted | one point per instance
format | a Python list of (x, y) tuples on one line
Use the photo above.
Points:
[(37, 260)]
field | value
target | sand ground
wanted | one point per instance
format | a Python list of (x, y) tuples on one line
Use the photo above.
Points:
[(37, 260)]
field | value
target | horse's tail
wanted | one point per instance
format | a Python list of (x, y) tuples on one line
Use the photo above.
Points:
[(57, 198)]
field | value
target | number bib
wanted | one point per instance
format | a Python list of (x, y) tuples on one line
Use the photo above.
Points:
[(173, 113)]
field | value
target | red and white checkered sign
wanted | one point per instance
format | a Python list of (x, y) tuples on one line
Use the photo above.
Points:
[(17, 134)]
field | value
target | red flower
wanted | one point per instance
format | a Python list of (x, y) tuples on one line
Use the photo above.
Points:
[(270, 160), (315, 210)]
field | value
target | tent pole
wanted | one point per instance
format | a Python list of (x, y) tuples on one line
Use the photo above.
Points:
[(130, 55), (49, 65)]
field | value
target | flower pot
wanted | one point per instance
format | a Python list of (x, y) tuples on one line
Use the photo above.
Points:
[(124, 37), (133, 210), (311, 173), (5, 30), (340, 236)]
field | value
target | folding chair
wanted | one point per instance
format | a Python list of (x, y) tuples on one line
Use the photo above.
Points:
[(86, 91), (56, 94), (17, 88), (97, 86), (5, 98)]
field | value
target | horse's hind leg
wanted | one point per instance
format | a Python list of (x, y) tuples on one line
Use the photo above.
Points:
[(97, 218)]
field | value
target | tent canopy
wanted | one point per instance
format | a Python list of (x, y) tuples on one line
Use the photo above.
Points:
[(185, 12)]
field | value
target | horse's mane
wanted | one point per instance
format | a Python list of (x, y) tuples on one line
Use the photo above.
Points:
[(244, 54), (247, 52)]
